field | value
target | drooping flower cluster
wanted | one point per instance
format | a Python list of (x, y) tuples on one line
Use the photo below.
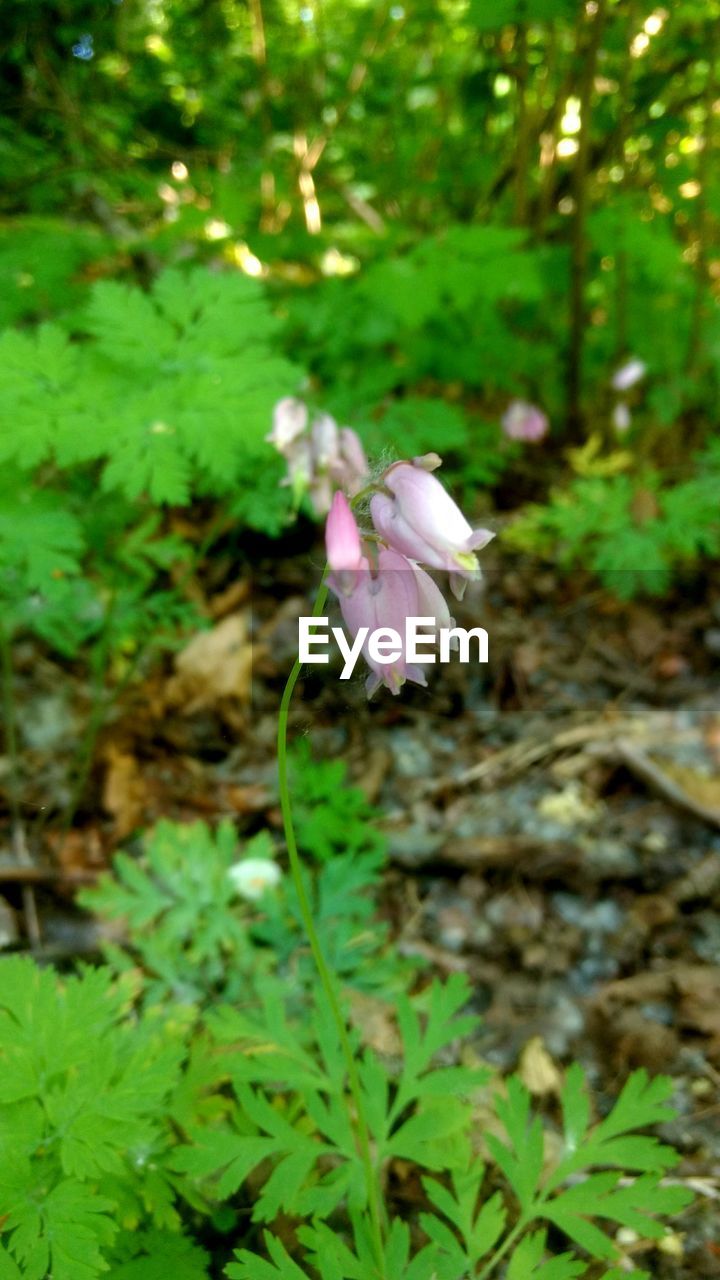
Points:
[(523, 421), (415, 523), (320, 455)]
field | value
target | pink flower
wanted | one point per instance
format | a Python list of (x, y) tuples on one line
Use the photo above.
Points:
[(320, 456), (415, 519), (522, 421), (629, 374), (343, 546), (421, 521), (338, 460), (384, 599), (351, 471), (290, 417), (432, 603)]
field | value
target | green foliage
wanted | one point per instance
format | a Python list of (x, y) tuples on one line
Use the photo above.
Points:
[(186, 924), (41, 266), (421, 1122), (634, 534), (462, 307), (331, 817), (474, 452), (153, 1255), (170, 396), (613, 1144), (118, 1129), (424, 1119), (84, 1129), (199, 941), (154, 399), (167, 398)]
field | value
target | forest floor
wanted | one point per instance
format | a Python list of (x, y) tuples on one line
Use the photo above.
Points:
[(553, 821)]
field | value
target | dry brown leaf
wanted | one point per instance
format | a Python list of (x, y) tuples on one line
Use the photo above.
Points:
[(124, 790), (227, 601), (78, 850), (537, 1070), (216, 666), (699, 987)]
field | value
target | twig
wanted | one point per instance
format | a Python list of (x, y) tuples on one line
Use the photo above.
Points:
[(646, 769), (19, 846), (32, 920), (521, 755), (30, 874)]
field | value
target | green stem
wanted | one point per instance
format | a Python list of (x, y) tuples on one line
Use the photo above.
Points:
[(504, 1248), (326, 979)]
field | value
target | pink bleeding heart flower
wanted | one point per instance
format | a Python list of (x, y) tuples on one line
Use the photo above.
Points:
[(338, 460), (523, 421), (432, 603), (290, 418), (421, 521), (351, 471), (381, 600), (342, 537)]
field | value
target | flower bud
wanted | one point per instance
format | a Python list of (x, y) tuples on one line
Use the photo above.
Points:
[(522, 421), (343, 546)]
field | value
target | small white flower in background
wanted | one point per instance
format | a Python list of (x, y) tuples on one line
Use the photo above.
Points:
[(252, 877), (621, 418), (629, 374)]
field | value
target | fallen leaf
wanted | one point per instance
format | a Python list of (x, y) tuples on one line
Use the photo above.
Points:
[(703, 787), (124, 790), (216, 666), (537, 1069)]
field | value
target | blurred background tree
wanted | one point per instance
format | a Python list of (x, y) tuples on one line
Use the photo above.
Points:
[(449, 202)]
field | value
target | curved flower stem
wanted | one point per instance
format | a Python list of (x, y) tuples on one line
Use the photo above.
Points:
[(326, 979)]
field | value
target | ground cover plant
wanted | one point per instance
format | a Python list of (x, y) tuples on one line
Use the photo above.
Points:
[(413, 975)]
